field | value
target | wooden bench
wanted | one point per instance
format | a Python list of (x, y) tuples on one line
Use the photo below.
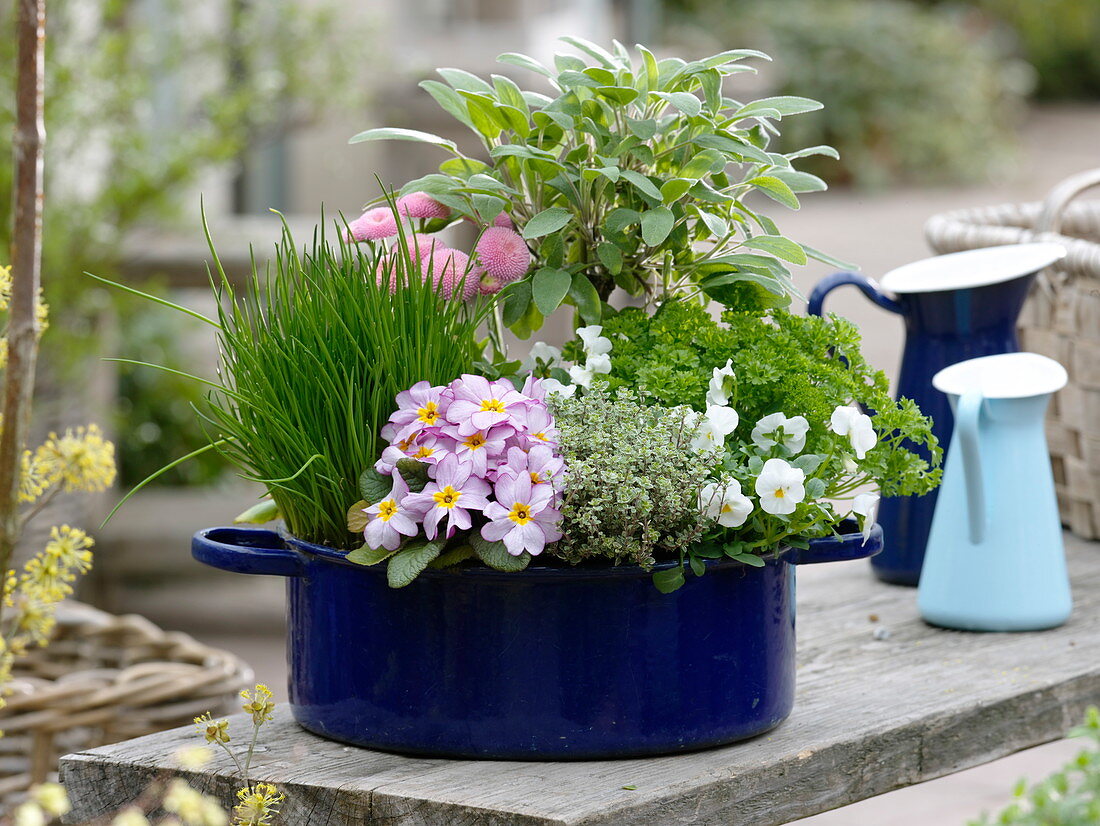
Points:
[(884, 701)]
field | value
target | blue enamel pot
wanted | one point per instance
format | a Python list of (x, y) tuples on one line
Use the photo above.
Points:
[(551, 663)]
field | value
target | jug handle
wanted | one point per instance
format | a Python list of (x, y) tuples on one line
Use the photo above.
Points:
[(967, 421), (868, 286)]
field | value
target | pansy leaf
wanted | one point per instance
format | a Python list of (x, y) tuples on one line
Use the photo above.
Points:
[(668, 580), (495, 555), (698, 567), (750, 559), (369, 556), (808, 462), (815, 488), (374, 486), (408, 563)]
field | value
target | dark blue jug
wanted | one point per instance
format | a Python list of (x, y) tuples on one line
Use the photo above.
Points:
[(955, 307)]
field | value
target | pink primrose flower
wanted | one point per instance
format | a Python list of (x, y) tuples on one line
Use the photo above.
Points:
[(451, 495), (480, 404), (522, 515), (479, 448), (391, 518)]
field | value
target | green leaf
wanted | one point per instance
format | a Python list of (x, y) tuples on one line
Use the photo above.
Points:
[(552, 250), (776, 190), (395, 134), (466, 82), (784, 105), (524, 62), (674, 189), (495, 555), (408, 563), (610, 256), (369, 556), (463, 167), (731, 146), (698, 567), (373, 486), (652, 75), (684, 101), (591, 49), (414, 473), (825, 258), (656, 225), (800, 181), (548, 287), (808, 462), (545, 222), (620, 94), (262, 512), (668, 580), (516, 301), (586, 299), (828, 151), (642, 183), (815, 488), (750, 559), (619, 219), (452, 557), (449, 101), (702, 164), (642, 129), (717, 225), (778, 246)]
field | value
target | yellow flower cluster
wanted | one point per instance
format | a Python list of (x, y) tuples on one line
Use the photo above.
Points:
[(81, 459), (192, 807), (258, 703), (46, 801), (257, 805), (41, 311), (214, 731)]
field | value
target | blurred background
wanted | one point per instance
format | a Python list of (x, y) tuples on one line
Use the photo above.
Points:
[(156, 108)]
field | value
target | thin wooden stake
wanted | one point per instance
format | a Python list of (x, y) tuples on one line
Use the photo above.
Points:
[(26, 264)]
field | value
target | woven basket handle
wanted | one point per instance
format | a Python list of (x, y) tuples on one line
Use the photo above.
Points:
[(1050, 218)]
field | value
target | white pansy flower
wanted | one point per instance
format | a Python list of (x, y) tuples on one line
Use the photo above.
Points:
[(541, 351), (865, 506), (721, 384), (581, 376), (717, 424), (725, 503), (599, 363), (594, 343), (780, 487), (857, 426), (553, 386), (794, 432)]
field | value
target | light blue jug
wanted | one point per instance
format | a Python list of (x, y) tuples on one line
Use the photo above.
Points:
[(995, 559)]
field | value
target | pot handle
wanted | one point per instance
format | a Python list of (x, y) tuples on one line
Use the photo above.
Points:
[(841, 548), (868, 286), (247, 551)]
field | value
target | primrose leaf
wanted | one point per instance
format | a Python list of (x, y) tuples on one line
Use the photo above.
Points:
[(369, 556), (408, 563), (495, 555), (374, 486)]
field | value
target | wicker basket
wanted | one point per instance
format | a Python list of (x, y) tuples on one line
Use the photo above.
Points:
[(103, 679), (1061, 319)]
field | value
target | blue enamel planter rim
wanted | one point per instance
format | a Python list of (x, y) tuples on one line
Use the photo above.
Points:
[(548, 663)]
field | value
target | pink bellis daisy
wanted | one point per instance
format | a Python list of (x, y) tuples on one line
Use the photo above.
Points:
[(421, 205), (452, 275), (503, 254), (503, 220), (391, 518), (373, 225), (453, 493), (522, 515)]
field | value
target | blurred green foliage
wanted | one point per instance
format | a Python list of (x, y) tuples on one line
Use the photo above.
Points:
[(910, 93), (144, 98), (1068, 797), (1059, 38)]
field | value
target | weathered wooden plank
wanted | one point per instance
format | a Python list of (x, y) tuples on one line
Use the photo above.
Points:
[(884, 701)]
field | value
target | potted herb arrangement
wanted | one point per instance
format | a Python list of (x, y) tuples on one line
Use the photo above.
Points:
[(588, 554)]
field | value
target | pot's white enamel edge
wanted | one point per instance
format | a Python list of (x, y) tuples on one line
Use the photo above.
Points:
[(972, 268)]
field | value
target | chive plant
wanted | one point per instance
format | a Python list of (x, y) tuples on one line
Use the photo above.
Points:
[(312, 356)]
